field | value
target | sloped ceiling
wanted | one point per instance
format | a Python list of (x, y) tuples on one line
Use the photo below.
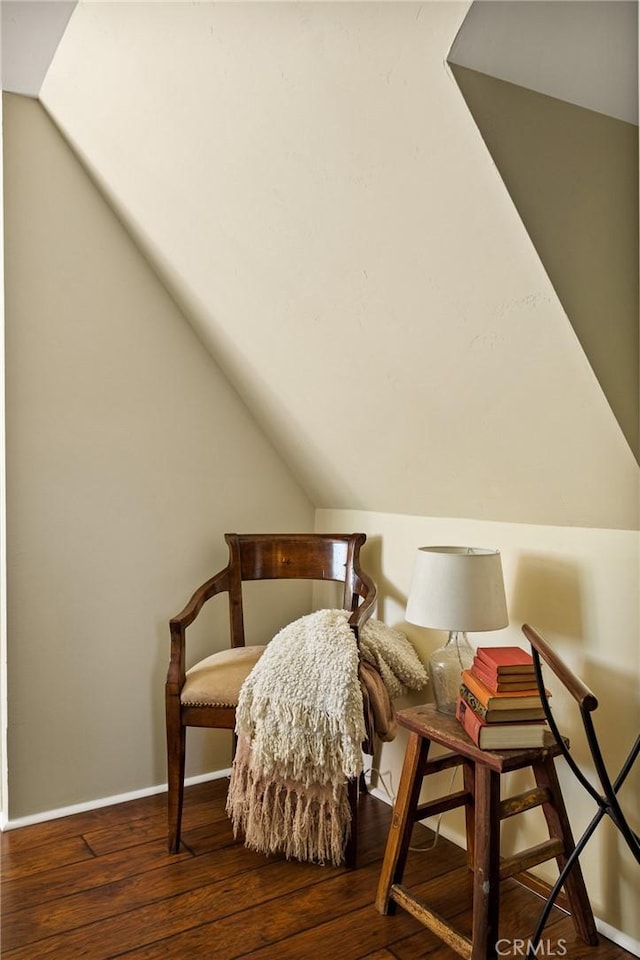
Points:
[(553, 88), (308, 182)]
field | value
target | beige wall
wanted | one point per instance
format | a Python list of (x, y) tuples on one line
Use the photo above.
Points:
[(579, 587), (128, 457), (3, 526)]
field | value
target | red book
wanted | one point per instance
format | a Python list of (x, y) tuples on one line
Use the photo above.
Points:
[(502, 736), (506, 660), (502, 684)]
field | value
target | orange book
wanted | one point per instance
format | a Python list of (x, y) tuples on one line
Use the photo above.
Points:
[(507, 700), (534, 712)]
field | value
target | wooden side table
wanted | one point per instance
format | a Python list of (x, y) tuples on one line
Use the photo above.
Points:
[(483, 812)]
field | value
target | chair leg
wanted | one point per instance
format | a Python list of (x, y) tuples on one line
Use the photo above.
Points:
[(355, 787), (468, 774), (176, 743), (351, 849), (363, 784)]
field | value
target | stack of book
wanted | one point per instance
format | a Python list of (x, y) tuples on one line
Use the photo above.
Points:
[(499, 705)]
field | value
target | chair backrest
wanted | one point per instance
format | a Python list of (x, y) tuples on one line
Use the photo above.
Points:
[(296, 556)]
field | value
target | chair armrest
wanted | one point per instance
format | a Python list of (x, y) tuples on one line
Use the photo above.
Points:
[(578, 690), (365, 609), (219, 583)]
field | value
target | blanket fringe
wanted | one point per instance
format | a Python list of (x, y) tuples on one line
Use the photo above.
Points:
[(310, 823)]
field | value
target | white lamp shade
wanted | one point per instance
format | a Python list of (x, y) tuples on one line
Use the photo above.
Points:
[(457, 588)]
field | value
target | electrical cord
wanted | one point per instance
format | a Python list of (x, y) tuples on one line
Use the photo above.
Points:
[(370, 771)]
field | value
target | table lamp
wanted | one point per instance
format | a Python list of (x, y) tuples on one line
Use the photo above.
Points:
[(458, 589)]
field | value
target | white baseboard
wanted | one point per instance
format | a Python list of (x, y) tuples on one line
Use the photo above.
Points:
[(618, 937), (380, 795), (105, 802)]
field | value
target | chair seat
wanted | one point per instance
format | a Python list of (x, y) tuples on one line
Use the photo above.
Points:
[(216, 681)]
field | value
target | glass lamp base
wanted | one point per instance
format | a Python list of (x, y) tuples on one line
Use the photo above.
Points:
[(445, 668)]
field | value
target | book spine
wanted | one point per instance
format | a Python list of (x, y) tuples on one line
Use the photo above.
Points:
[(489, 679), (469, 697), (513, 684), (475, 686), (470, 721)]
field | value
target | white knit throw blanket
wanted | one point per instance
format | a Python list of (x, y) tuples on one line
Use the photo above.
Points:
[(300, 727)]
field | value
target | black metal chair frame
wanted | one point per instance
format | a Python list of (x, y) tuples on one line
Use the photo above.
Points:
[(605, 798)]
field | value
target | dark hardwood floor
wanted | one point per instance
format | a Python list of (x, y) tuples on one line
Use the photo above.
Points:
[(101, 885)]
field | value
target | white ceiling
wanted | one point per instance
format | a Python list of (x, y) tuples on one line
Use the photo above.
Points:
[(582, 51), (31, 32)]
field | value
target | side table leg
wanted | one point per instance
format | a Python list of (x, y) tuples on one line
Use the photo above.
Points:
[(486, 878), (560, 828), (402, 820)]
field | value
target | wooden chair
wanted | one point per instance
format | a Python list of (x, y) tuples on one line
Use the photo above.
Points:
[(207, 694), (606, 795)]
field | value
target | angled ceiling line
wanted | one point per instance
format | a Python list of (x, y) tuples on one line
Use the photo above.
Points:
[(572, 174)]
